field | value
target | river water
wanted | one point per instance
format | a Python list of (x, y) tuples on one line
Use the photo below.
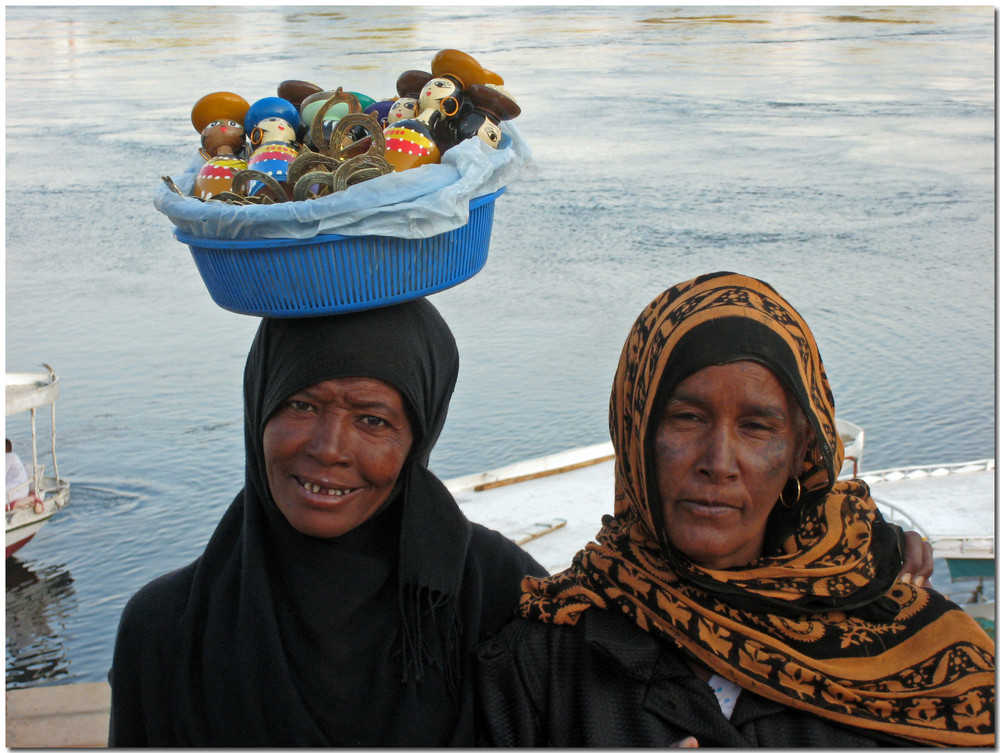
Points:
[(844, 155)]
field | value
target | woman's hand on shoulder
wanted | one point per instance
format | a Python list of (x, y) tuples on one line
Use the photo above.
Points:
[(918, 560)]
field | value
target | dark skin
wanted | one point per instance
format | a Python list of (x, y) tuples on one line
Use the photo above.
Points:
[(728, 440), (334, 451), (918, 560)]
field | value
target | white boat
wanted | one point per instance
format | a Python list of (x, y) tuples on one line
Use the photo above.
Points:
[(31, 507), (552, 506), (952, 506)]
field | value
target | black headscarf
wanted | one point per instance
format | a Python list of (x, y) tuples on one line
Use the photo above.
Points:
[(294, 640)]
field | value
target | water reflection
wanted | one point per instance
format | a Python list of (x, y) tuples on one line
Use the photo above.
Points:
[(39, 605)]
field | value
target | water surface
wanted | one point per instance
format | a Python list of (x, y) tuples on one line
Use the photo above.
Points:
[(844, 155)]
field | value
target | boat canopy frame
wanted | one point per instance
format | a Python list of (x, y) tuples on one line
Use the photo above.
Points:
[(27, 392)]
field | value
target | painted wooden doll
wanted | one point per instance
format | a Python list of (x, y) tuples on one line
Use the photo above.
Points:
[(412, 142), (217, 117), (491, 105), (222, 145), (272, 123)]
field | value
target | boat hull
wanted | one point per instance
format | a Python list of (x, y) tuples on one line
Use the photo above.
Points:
[(23, 523), (18, 542)]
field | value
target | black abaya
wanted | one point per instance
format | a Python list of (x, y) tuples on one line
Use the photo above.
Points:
[(274, 638)]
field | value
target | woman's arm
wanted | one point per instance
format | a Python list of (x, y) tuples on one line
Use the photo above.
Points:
[(139, 698), (126, 728), (503, 565)]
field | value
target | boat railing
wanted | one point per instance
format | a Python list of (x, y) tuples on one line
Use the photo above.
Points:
[(965, 547), (974, 545), (928, 471), (902, 518), (969, 546)]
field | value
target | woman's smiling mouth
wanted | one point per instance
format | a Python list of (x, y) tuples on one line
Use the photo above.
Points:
[(321, 490)]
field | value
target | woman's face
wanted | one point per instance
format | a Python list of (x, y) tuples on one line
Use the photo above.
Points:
[(727, 441), (333, 453)]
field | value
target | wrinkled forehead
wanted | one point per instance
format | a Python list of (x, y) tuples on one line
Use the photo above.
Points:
[(407, 346), (759, 329), (353, 392)]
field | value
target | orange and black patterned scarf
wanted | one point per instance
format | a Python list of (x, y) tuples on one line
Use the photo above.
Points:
[(818, 622)]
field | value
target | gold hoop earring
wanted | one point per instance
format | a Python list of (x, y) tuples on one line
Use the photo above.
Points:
[(798, 496)]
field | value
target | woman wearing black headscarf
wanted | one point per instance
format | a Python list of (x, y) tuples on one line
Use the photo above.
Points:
[(740, 593), (339, 600)]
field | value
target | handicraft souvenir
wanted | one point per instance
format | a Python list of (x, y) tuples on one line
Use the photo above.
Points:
[(491, 105), (295, 91), (222, 145), (462, 99), (337, 138), (218, 117), (273, 124), (350, 224)]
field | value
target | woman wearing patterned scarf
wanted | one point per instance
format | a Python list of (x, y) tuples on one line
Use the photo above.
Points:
[(740, 594)]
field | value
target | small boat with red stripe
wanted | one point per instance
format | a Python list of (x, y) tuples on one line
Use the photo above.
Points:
[(32, 496)]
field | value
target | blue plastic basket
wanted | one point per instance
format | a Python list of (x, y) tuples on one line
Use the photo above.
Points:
[(330, 274)]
